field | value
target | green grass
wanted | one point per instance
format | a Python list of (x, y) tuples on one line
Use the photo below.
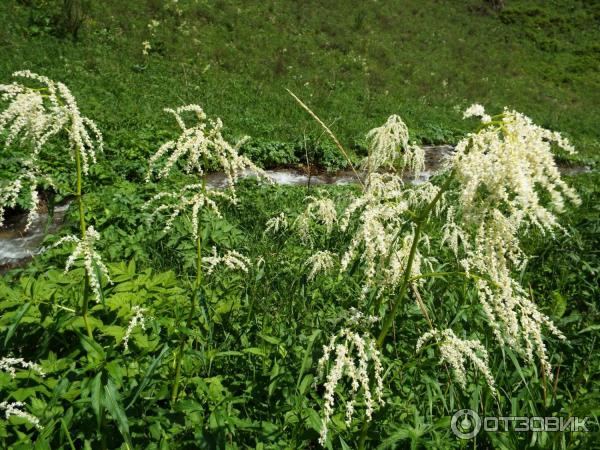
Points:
[(248, 376), (354, 62), (249, 369)]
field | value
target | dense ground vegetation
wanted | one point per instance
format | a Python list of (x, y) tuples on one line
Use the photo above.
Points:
[(248, 371)]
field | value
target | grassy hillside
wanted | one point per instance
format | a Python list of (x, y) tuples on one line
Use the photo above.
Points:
[(230, 359), (354, 62)]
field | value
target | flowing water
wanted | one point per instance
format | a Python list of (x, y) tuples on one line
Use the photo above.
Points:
[(17, 247)]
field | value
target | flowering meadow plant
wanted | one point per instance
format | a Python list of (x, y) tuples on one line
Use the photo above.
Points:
[(33, 116), (342, 322), (490, 195)]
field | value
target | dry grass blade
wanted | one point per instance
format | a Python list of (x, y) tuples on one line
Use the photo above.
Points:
[(331, 135)]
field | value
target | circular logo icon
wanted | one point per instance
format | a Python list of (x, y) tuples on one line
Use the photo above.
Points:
[(465, 424)]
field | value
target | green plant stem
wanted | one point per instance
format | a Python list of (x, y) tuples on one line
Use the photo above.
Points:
[(82, 229), (388, 320), (197, 286), (420, 221)]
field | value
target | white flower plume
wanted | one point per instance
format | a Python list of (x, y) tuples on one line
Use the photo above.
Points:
[(388, 144), (37, 114), (502, 170), (381, 223), (321, 261), (277, 223), (457, 352), (137, 320), (477, 110), (9, 365), (350, 354), (199, 145), (318, 211), (29, 179), (232, 260), (16, 409), (92, 261), (191, 196)]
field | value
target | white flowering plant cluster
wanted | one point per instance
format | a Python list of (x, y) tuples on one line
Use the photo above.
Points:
[(16, 409), (351, 354), (32, 116), (199, 148), (488, 195)]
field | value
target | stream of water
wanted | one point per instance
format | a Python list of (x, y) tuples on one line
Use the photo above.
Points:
[(17, 247)]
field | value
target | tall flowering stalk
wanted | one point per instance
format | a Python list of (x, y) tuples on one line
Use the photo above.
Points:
[(489, 195), (198, 146), (32, 117)]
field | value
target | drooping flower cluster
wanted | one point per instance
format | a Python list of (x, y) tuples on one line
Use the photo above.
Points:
[(200, 145), (277, 223), (138, 319), (92, 260), (32, 117), (383, 229), (501, 171), (389, 145), (507, 164), (457, 352), (10, 365), (232, 260), (37, 114), (29, 179), (16, 409), (349, 354), (318, 211), (477, 110), (192, 195), (320, 261)]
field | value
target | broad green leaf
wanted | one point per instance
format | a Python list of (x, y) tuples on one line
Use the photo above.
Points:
[(11, 330), (113, 406), (97, 398), (255, 351), (148, 374)]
